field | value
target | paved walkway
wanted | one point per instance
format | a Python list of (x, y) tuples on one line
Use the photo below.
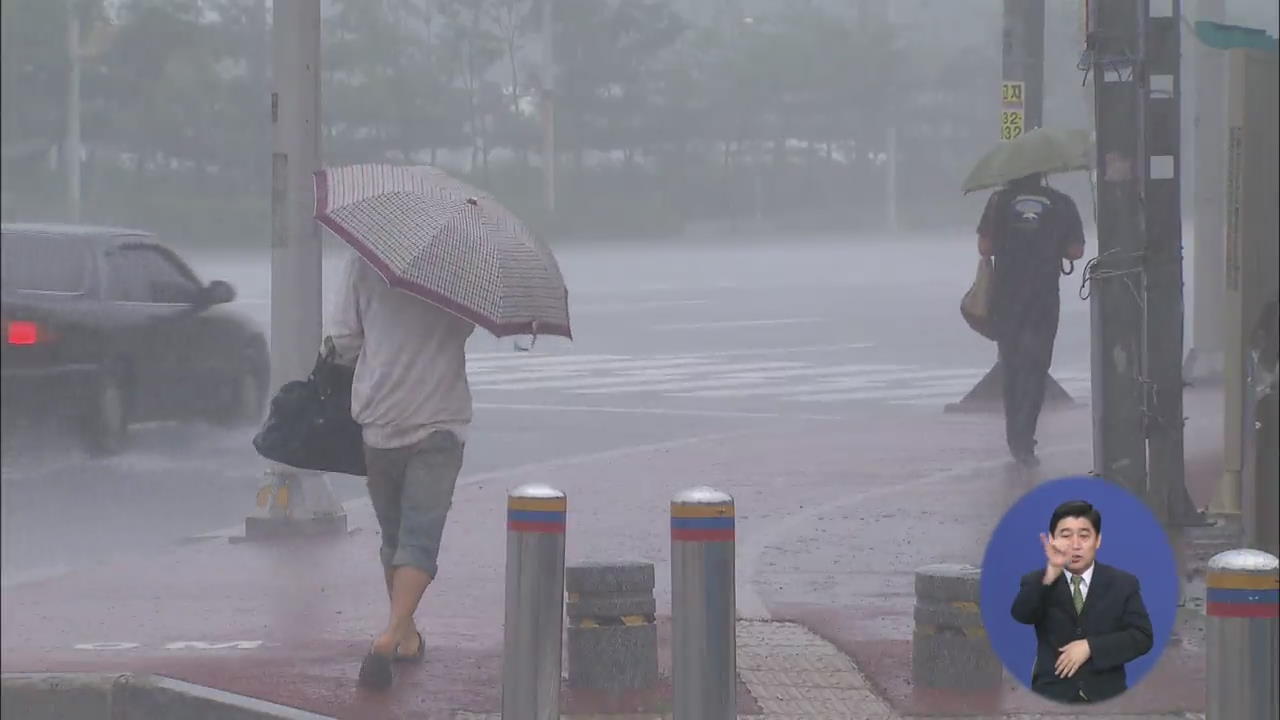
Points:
[(833, 519)]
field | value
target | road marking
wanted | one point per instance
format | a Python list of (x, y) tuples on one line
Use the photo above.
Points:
[(508, 359), (179, 645), (680, 385), (625, 306), (735, 323), (467, 480), (710, 372), (108, 646), (839, 381), (655, 411), (202, 645)]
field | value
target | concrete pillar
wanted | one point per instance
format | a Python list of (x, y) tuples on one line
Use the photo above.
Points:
[(613, 641)]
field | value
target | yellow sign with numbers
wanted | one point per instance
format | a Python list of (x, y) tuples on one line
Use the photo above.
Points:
[(1012, 103), (1012, 94), (1010, 124)]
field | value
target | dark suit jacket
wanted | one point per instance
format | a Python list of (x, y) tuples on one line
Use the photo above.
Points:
[(1113, 620)]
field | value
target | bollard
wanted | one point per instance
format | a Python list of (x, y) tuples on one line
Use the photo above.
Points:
[(703, 607), (1242, 605), (613, 641), (949, 647), (535, 604)]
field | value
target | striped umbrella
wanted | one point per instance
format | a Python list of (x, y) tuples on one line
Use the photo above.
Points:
[(434, 236)]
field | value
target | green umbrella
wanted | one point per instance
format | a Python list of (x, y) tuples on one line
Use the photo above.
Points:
[(1043, 150)]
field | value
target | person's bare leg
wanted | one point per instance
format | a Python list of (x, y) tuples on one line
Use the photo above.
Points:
[(389, 574), (407, 587)]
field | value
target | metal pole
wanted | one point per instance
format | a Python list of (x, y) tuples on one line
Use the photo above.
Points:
[(303, 501), (71, 148), (295, 236), (1209, 214), (533, 631), (1022, 56), (548, 108), (1116, 288), (1243, 604), (892, 179), (1162, 141), (703, 606)]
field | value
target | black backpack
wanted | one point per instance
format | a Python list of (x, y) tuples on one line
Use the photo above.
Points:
[(309, 426)]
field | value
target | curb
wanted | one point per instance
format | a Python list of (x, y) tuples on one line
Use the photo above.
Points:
[(125, 696)]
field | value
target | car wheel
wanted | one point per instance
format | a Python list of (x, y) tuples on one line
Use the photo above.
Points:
[(106, 422)]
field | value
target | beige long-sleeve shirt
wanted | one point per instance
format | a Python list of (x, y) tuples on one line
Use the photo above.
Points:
[(409, 357)]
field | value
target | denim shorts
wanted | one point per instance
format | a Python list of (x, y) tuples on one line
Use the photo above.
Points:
[(412, 491)]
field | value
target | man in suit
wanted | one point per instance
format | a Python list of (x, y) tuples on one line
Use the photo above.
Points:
[(1089, 618)]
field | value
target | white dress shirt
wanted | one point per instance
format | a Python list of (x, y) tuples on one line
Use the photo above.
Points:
[(1084, 586)]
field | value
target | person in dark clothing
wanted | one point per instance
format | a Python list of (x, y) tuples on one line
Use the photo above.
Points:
[(1089, 618), (1029, 228)]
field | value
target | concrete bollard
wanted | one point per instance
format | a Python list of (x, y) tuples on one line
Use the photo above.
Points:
[(613, 641), (949, 647), (534, 627), (1242, 606), (703, 606)]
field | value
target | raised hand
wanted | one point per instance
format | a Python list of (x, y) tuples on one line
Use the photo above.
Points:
[(1055, 557)]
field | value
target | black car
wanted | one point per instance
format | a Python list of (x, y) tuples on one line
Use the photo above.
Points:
[(108, 327)]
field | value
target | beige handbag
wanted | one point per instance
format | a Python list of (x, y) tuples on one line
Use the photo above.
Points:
[(976, 305)]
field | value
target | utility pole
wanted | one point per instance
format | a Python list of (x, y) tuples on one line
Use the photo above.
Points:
[(295, 235), (548, 108), (1162, 206), (1021, 109), (1022, 58), (1116, 42), (1204, 361), (892, 179), (71, 147), (301, 502)]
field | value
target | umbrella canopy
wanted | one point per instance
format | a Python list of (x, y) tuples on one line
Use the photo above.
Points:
[(434, 236), (1043, 150)]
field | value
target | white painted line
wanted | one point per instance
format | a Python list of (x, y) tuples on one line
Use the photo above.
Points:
[(654, 411), (512, 472), (735, 323), (671, 387), (574, 383), (626, 306), (507, 359), (814, 370), (932, 389), (777, 350), (629, 364), (644, 370), (843, 383)]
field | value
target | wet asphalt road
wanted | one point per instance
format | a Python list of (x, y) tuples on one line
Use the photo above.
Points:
[(673, 339)]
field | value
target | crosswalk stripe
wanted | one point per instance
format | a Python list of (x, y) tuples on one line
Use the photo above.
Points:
[(619, 365), (624, 378), (672, 386), (508, 359), (886, 393), (841, 382)]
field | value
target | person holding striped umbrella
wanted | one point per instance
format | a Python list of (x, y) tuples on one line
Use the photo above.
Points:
[(434, 258)]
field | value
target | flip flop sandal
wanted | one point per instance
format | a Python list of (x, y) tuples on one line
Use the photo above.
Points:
[(417, 656), (375, 671)]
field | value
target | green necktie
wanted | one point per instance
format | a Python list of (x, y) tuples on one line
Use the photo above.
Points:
[(1077, 598)]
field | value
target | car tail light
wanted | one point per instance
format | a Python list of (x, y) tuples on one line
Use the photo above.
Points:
[(23, 332)]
